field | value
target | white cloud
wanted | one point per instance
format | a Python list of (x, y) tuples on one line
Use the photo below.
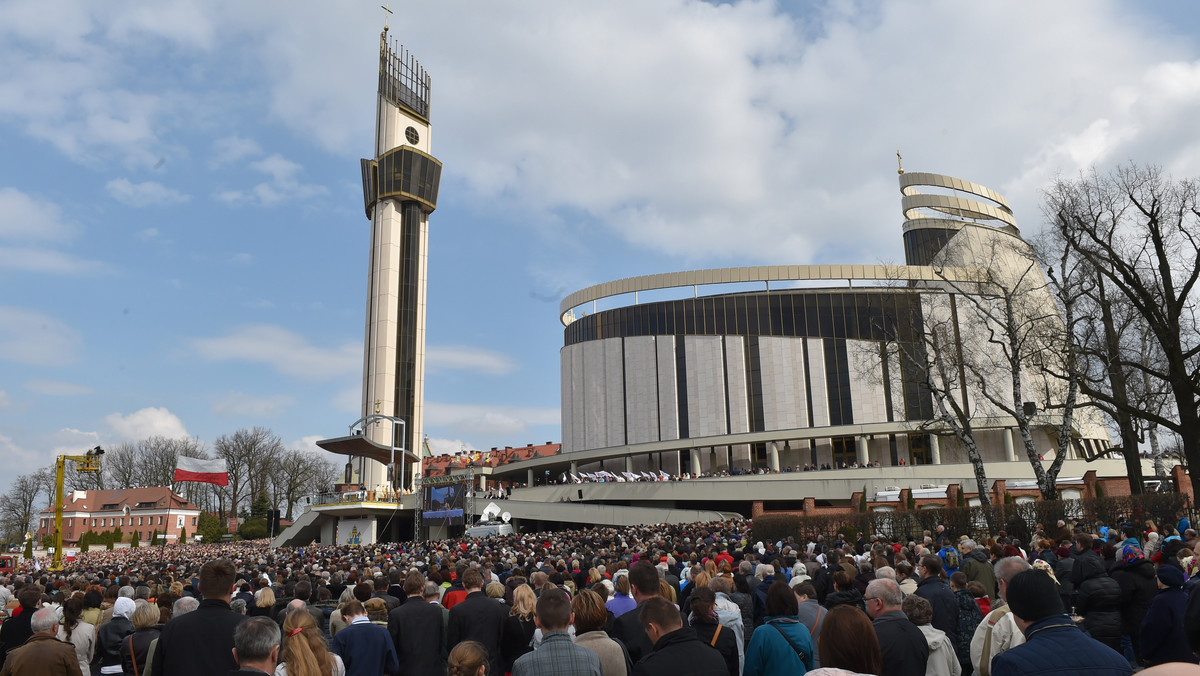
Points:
[(242, 404), (49, 261), (233, 149), (478, 360), (284, 184), (56, 388), (146, 422), (148, 233), (308, 443), (489, 422), (241, 258), (145, 194), (32, 225), (282, 350), (24, 218), (5, 400), (16, 455), (449, 446), (28, 337)]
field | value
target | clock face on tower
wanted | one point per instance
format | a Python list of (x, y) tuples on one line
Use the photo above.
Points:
[(411, 134)]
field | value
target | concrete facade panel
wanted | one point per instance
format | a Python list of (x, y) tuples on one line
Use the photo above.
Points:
[(641, 389), (668, 397), (705, 385)]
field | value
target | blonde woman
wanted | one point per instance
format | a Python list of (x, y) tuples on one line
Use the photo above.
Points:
[(303, 652), (146, 629), (336, 623), (264, 603), (518, 634)]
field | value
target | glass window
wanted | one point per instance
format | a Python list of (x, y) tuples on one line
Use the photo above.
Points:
[(844, 452)]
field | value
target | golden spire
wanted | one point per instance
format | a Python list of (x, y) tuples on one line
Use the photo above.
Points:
[(385, 16), (899, 163)]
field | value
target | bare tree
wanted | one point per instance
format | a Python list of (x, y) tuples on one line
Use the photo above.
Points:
[(292, 477), (157, 457), (120, 465), (1140, 231), (18, 508), (248, 453), (1011, 308), (925, 343)]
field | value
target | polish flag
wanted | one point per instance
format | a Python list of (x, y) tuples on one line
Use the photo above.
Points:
[(204, 471)]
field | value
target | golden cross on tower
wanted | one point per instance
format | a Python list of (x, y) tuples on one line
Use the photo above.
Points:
[(385, 16)]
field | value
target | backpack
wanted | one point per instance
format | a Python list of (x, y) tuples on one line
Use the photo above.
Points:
[(969, 617), (951, 559)]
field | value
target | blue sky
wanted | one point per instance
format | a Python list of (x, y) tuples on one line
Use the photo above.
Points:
[(183, 244)]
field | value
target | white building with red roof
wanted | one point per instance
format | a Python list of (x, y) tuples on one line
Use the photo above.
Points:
[(144, 510)]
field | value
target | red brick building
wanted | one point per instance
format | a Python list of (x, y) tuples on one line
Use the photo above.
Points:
[(143, 510)]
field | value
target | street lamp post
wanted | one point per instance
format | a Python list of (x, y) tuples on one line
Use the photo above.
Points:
[(89, 462)]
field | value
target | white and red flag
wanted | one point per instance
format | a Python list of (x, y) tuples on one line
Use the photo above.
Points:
[(204, 471)]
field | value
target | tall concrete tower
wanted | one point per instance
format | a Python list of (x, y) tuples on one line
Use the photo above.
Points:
[(400, 188)]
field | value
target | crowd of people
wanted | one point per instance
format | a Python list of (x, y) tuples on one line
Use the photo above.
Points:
[(704, 598)]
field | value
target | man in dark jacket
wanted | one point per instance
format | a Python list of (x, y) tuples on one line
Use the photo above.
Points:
[(676, 648), (1098, 600), (17, 630), (479, 618), (769, 572), (977, 567), (1135, 576), (1162, 632), (643, 583), (1053, 643), (418, 631), (905, 650), (200, 643), (932, 589)]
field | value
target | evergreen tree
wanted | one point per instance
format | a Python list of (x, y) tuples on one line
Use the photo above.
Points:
[(183, 535), (154, 537), (260, 506), (133, 541)]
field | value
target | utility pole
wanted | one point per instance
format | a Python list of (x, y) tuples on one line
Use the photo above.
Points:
[(89, 462)]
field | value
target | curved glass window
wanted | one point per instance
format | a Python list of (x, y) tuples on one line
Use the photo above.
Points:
[(403, 173), (921, 245)]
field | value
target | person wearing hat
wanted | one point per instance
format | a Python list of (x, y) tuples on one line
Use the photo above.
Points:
[(1135, 576), (1053, 643), (1162, 633)]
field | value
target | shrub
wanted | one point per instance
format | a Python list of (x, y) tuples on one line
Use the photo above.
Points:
[(254, 529)]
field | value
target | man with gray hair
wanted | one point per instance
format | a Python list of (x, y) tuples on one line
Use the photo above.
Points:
[(998, 631), (184, 605), (978, 567), (256, 646), (905, 651), (42, 653)]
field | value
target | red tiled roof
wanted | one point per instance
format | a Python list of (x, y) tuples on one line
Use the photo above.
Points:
[(442, 464), (94, 501)]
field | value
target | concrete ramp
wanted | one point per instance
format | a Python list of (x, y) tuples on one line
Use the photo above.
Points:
[(604, 515), (303, 531)]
